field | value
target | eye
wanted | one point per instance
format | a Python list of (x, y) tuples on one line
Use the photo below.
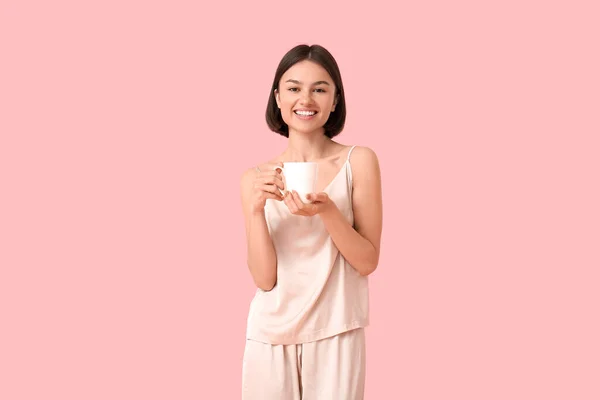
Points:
[(293, 89), (320, 90)]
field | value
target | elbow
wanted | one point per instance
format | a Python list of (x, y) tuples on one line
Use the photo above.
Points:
[(370, 265), (368, 269), (266, 282), (264, 276), (266, 285)]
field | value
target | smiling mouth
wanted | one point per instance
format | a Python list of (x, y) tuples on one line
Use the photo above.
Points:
[(305, 113)]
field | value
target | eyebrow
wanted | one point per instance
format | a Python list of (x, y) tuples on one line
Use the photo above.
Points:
[(314, 84)]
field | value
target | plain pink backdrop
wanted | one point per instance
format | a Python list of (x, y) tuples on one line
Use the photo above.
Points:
[(125, 127)]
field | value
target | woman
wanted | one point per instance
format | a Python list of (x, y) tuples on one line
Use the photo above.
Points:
[(310, 261)]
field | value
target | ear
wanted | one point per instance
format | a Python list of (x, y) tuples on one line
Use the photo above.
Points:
[(276, 93), (335, 101)]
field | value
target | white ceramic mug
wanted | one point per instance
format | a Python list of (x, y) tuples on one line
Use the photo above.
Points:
[(301, 177)]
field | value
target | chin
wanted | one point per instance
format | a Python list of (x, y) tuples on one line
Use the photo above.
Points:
[(309, 131)]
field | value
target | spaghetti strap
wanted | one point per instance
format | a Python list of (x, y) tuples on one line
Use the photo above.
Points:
[(350, 152), (349, 173)]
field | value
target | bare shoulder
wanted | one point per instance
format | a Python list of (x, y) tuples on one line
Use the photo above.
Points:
[(363, 154), (248, 176), (364, 162)]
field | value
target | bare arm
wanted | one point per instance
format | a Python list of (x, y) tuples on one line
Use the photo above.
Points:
[(360, 245), (261, 257)]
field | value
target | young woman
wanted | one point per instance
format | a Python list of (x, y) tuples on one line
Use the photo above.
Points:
[(310, 260)]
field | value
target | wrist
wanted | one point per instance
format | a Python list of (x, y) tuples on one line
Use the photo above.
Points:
[(328, 209)]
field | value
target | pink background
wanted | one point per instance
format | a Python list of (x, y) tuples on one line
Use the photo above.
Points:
[(125, 127)]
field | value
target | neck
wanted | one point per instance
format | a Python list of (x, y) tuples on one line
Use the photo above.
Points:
[(306, 146)]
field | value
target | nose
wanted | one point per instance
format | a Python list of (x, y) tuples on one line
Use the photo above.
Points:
[(306, 97)]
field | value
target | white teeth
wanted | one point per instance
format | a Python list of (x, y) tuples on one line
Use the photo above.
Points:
[(305, 113)]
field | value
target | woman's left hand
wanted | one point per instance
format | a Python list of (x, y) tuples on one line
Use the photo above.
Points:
[(319, 203)]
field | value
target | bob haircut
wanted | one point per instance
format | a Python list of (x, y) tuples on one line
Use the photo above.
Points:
[(320, 55)]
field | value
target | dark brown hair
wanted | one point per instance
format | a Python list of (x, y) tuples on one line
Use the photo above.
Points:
[(320, 55)]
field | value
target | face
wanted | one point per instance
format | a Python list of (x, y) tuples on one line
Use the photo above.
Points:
[(306, 97)]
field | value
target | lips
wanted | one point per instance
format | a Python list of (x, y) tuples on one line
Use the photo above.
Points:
[(305, 113)]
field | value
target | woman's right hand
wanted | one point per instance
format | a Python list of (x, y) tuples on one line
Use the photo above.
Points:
[(267, 185)]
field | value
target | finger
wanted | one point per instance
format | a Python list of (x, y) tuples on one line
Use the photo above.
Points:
[(269, 189), (306, 209), (270, 174), (275, 172), (318, 197), (293, 205), (289, 202), (273, 180), (299, 203), (275, 167), (269, 195), (270, 169)]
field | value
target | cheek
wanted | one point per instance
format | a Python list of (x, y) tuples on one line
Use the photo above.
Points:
[(285, 102), (286, 106), (325, 103)]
